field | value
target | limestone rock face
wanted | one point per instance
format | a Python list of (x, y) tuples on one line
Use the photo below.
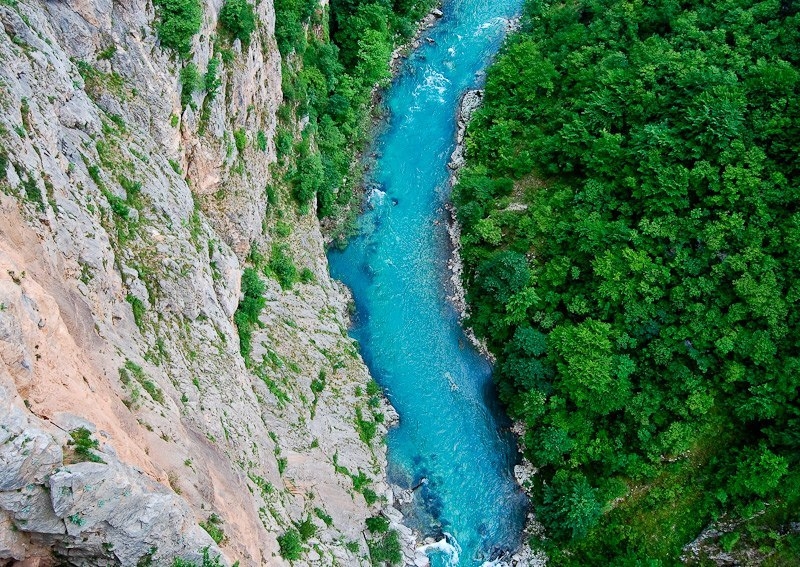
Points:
[(125, 221), (104, 512)]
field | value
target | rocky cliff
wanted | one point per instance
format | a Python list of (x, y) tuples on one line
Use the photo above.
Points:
[(128, 416)]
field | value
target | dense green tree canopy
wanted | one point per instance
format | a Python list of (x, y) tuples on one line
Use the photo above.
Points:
[(641, 293)]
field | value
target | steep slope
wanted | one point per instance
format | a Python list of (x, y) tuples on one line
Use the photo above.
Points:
[(125, 217)]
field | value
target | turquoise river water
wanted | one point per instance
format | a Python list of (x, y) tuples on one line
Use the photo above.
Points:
[(452, 436)]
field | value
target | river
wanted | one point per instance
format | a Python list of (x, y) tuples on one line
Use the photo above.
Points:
[(452, 434)]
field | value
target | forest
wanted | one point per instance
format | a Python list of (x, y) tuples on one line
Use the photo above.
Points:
[(631, 236)]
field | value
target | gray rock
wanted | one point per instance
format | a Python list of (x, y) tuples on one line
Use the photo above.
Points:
[(86, 509), (470, 102), (75, 114), (16, 28), (32, 511), (131, 512), (12, 542), (26, 455)]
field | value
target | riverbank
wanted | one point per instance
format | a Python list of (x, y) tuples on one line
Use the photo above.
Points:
[(525, 556), (470, 102), (403, 50), (339, 229)]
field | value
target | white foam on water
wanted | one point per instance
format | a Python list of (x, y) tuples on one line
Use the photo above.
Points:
[(444, 546), (376, 196), (498, 22), (451, 381), (434, 82), (495, 563)]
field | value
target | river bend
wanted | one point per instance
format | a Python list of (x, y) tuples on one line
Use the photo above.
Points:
[(451, 433)]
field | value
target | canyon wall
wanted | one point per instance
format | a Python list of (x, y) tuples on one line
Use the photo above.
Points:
[(126, 217)]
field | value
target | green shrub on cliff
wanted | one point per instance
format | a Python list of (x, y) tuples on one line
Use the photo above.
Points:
[(211, 80), (240, 139), (179, 21), (385, 549), (84, 445), (238, 18), (249, 309), (190, 82), (282, 266), (378, 524), (213, 526), (208, 561), (290, 545), (306, 528)]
